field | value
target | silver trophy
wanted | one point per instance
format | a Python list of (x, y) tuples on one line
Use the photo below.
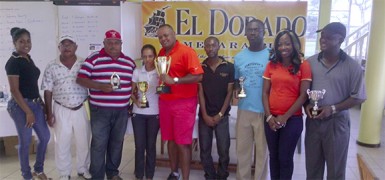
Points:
[(242, 93), (315, 95), (115, 81)]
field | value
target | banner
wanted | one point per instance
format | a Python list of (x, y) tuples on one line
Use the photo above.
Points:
[(193, 22)]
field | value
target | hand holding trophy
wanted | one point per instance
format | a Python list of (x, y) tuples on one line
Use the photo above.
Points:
[(162, 65), (143, 87), (315, 95), (115, 81), (242, 93)]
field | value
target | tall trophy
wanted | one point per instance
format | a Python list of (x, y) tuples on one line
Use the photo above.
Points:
[(315, 95), (242, 93), (115, 81), (143, 87), (162, 65)]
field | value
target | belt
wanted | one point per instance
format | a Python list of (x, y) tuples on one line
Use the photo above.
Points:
[(72, 108), (35, 100)]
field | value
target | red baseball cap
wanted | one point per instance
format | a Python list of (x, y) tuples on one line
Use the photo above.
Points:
[(112, 34)]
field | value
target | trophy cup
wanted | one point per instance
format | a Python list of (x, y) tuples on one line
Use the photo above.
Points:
[(143, 87), (162, 65), (115, 81), (242, 93), (315, 95)]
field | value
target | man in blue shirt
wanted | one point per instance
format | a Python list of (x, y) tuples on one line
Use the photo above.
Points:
[(250, 64)]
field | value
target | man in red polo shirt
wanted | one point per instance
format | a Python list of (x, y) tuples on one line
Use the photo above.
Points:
[(177, 110)]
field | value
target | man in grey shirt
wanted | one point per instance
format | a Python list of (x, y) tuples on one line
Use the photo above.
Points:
[(327, 134)]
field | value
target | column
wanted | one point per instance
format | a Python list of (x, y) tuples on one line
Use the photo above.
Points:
[(373, 108), (325, 11)]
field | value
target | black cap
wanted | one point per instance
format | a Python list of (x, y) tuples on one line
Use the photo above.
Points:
[(336, 28)]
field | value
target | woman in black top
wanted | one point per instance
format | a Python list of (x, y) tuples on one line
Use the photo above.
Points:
[(26, 106)]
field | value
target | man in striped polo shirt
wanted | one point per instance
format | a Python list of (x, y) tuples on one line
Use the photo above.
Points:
[(107, 74)]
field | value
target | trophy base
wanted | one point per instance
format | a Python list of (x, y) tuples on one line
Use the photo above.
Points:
[(116, 87), (144, 105), (163, 90), (315, 112), (242, 95)]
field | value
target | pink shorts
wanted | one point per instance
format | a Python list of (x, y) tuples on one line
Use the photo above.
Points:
[(177, 119)]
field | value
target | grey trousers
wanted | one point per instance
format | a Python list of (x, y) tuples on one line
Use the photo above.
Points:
[(327, 141)]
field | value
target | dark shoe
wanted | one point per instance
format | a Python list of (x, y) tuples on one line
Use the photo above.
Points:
[(173, 176)]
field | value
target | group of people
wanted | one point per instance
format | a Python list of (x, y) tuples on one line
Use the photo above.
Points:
[(269, 119)]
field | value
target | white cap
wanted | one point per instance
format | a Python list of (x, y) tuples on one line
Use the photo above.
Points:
[(67, 37)]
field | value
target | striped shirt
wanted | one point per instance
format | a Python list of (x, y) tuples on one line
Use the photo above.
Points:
[(99, 67)]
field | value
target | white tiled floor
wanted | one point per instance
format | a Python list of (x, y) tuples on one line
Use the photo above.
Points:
[(9, 166)]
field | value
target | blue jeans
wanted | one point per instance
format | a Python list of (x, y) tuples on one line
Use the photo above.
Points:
[(222, 136), (108, 127), (146, 129), (25, 135), (281, 144)]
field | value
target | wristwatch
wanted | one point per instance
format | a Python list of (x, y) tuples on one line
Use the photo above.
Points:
[(176, 80), (220, 114), (334, 110)]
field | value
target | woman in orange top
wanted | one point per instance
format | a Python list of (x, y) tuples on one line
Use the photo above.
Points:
[(286, 79)]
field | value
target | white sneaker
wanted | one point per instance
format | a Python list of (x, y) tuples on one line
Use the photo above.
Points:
[(85, 175), (65, 177)]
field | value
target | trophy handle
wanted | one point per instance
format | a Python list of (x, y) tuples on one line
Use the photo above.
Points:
[(156, 65), (308, 92), (323, 91)]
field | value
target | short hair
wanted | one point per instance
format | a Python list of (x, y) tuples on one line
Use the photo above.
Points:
[(212, 37), (148, 46), (16, 33), (259, 22), (166, 25)]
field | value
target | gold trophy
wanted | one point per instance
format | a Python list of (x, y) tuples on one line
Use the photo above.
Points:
[(115, 81), (315, 95), (242, 93), (162, 65), (143, 87)]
